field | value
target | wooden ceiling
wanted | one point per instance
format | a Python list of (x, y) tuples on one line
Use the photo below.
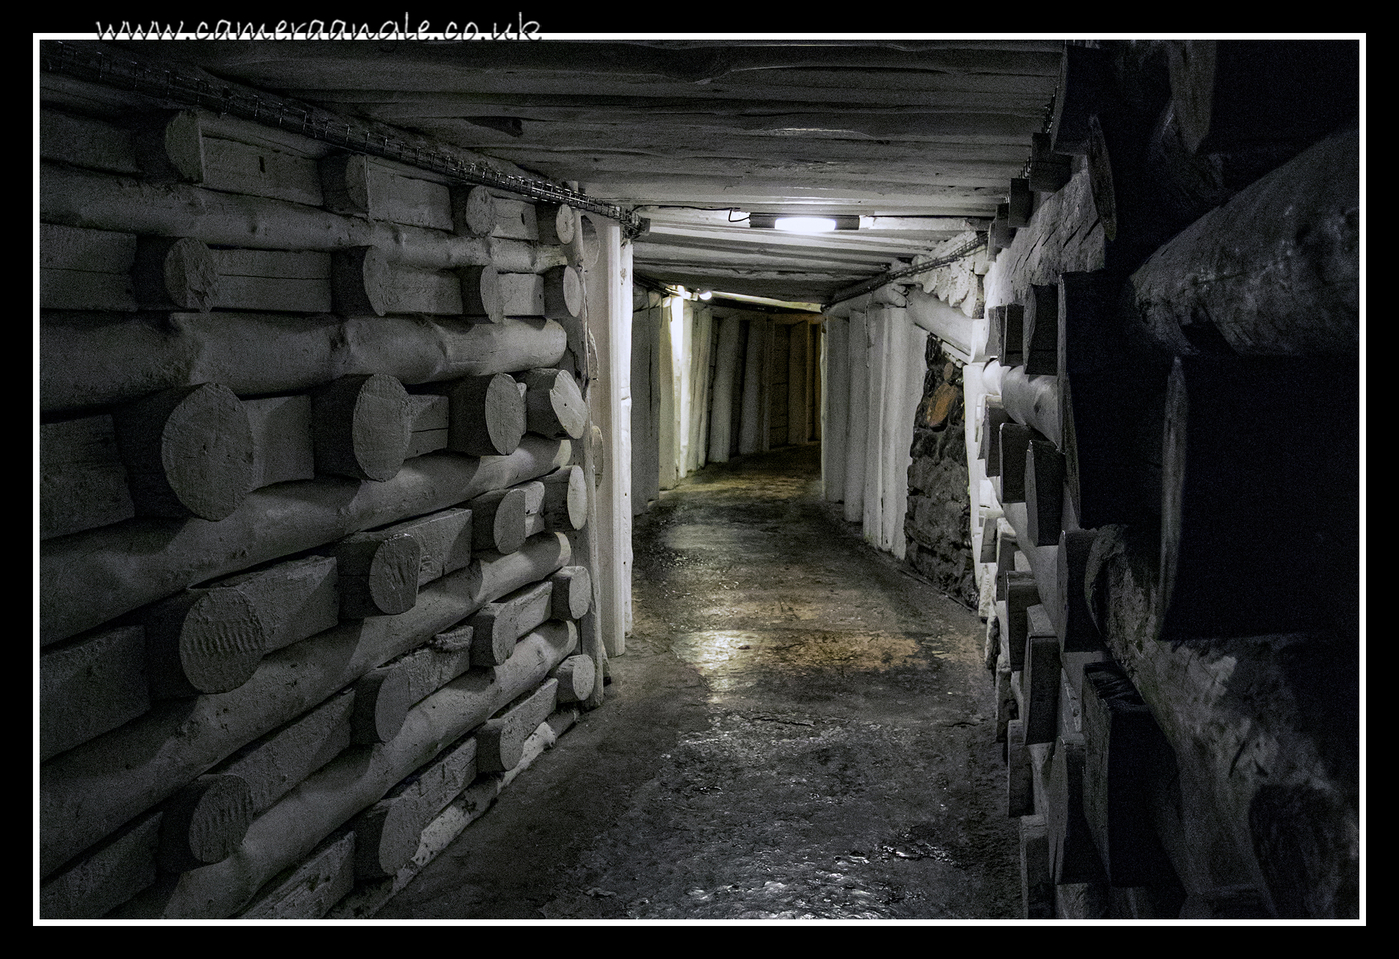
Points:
[(920, 138)]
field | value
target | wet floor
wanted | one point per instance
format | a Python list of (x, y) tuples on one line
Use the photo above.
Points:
[(799, 729)]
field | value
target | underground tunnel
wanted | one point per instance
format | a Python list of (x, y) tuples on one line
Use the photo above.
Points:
[(461, 494)]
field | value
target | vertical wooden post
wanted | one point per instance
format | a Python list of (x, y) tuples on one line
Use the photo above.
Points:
[(665, 387), (751, 420), (797, 358), (835, 406), (769, 382), (725, 372), (878, 319), (683, 384), (973, 395), (645, 402), (609, 323), (701, 342), (894, 461), (858, 342), (813, 380), (915, 358)]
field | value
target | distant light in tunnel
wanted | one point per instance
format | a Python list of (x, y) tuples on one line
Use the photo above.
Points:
[(805, 224)]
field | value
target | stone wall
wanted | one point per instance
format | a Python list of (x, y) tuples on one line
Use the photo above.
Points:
[(938, 521)]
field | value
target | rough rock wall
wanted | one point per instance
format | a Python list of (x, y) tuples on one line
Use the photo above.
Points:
[(938, 521)]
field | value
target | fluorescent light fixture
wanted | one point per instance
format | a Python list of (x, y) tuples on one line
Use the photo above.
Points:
[(805, 224), (801, 223)]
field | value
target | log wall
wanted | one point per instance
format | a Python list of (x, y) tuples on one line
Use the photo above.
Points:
[(317, 573), (1167, 544)]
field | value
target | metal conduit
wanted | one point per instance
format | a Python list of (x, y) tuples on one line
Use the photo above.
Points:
[(88, 62)]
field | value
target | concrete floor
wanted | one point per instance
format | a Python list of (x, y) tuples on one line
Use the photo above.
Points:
[(799, 729)]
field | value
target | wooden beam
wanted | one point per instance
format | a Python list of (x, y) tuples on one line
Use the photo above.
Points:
[(608, 311), (1121, 743), (575, 676), (313, 887), (295, 598), (1044, 492), (498, 520), (500, 742), (384, 695), (89, 360), (1231, 505), (1267, 292), (94, 884), (282, 446), (82, 482), (91, 686), (554, 404), (1244, 92), (387, 833), (377, 573), (360, 185), (1073, 857), (498, 626), (365, 281), (85, 269), (203, 822), (1040, 677), (273, 765)]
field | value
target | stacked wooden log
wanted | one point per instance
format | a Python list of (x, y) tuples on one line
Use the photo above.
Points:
[(285, 472), (1170, 422)]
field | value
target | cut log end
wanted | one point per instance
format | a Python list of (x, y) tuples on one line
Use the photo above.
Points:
[(573, 592), (481, 293), (179, 272), (188, 452), (473, 211), (563, 293), (499, 520), (576, 675), (378, 575), (361, 427), (566, 498), (203, 641), (382, 701), (361, 282), (487, 415), (493, 639), (204, 822), (556, 223), (554, 405)]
